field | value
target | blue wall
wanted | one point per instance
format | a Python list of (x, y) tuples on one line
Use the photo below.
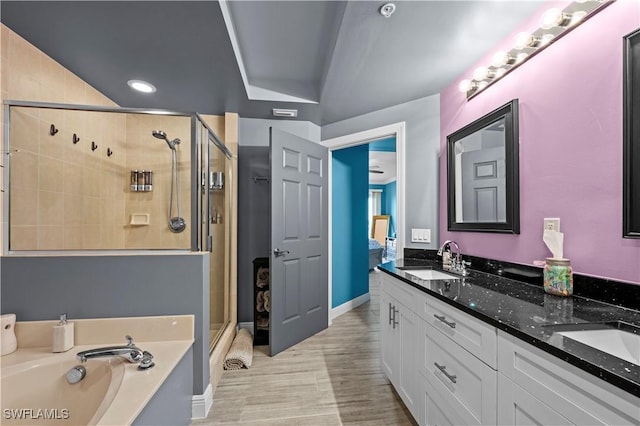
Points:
[(350, 247), (384, 145), (388, 201)]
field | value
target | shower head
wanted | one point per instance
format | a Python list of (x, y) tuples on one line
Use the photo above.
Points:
[(162, 135)]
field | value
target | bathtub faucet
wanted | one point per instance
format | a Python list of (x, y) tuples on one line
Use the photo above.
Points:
[(130, 352)]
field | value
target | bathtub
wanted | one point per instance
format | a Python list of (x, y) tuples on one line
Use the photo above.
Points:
[(34, 389), (38, 392)]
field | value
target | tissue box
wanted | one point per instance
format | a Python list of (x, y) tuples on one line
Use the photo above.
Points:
[(558, 277)]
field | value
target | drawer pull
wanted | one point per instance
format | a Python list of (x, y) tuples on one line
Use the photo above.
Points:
[(443, 368), (390, 318), (395, 311), (443, 319)]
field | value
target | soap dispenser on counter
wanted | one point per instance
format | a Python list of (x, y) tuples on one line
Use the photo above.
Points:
[(63, 335), (8, 342)]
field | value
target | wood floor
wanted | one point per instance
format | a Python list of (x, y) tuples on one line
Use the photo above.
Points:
[(332, 378)]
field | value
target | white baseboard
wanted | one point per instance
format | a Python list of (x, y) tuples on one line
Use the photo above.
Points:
[(201, 404), (351, 304), (247, 325)]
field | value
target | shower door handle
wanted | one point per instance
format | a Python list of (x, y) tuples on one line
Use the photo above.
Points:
[(277, 252)]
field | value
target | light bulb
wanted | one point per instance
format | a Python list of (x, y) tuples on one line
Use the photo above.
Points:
[(546, 39), (526, 40), (482, 72), (500, 72), (577, 17), (555, 18), (502, 58), (466, 85), (482, 85), (141, 86), (521, 57)]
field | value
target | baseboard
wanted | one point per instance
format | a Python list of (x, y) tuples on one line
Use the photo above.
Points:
[(201, 404), (248, 325), (351, 304)]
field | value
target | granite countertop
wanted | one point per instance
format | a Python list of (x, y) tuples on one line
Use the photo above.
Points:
[(527, 312)]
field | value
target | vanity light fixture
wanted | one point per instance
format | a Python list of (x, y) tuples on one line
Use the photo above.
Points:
[(554, 24), (141, 86)]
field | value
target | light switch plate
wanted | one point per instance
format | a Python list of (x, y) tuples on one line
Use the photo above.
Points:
[(420, 235)]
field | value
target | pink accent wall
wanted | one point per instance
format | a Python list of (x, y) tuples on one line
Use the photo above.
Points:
[(570, 147)]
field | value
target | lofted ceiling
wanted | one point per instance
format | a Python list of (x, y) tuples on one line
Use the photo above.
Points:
[(331, 60)]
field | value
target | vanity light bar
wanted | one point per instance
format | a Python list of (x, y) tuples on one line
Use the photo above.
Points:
[(554, 24)]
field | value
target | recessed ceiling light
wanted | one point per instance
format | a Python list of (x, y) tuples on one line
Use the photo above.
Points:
[(141, 86)]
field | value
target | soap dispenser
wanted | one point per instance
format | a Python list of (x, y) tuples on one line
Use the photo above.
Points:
[(63, 338)]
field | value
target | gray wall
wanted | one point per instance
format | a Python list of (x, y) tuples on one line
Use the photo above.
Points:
[(254, 221), (91, 286), (255, 131), (422, 150), (171, 404)]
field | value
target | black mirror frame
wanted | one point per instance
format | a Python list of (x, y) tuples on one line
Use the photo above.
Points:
[(631, 137), (512, 225)]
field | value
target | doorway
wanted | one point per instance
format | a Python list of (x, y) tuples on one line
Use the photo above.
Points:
[(396, 130)]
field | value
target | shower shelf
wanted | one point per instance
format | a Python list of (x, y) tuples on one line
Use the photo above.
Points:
[(140, 219)]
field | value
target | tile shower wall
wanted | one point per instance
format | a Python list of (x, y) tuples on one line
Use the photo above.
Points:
[(66, 195), (145, 152)]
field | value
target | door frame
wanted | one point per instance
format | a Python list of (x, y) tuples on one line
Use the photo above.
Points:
[(354, 139)]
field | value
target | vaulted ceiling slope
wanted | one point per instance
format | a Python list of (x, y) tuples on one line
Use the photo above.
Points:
[(333, 59)]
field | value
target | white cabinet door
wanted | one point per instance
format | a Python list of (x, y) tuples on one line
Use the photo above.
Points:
[(408, 377), (517, 407), (389, 339), (578, 396)]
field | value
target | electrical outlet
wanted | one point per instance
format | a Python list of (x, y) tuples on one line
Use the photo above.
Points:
[(552, 224)]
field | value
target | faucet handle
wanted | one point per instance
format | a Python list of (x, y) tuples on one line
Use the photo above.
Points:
[(129, 340), (146, 361)]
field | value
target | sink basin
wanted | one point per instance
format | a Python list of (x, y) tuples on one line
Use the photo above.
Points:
[(430, 274), (621, 343)]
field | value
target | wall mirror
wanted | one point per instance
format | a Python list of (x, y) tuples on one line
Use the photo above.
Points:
[(631, 137), (482, 174)]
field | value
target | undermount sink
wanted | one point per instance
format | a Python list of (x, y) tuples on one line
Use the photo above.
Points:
[(430, 274), (619, 339)]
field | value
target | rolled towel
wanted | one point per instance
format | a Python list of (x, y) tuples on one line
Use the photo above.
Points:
[(260, 301), (263, 277), (267, 300), (241, 351)]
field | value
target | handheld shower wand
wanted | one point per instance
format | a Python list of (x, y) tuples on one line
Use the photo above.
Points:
[(176, 223)]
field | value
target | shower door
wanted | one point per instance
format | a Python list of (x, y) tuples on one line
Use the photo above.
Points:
[(216, 182)]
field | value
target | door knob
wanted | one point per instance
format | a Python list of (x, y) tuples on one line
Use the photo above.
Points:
[(277, 252)]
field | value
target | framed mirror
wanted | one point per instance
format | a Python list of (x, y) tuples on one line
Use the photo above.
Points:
[(631, 137), (482, 174)]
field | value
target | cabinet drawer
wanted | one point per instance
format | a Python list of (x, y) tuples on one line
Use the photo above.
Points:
[(461, 378), (404, 293), (577, 395), (476, 336)]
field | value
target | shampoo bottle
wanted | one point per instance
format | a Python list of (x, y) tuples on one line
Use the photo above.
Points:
[(63, 335)]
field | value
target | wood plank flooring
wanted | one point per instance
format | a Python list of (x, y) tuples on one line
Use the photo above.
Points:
[(332, 378)]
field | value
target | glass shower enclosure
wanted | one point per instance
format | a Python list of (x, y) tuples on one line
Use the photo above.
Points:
[(81, 178)]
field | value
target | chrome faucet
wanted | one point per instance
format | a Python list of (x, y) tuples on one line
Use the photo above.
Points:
[(456, 264), (129, 352)]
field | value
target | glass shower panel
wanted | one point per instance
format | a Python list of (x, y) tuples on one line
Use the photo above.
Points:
[(219, 187), (97, 180)]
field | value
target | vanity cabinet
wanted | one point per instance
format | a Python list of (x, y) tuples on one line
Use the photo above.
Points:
[(398, 331), (451, 368), (535, 386), (453, 385)]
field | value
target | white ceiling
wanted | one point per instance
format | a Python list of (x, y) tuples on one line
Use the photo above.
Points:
[(332, 60), (385, 162)]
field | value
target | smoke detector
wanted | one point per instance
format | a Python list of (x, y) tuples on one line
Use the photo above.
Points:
[(387, 9), (281, 112)]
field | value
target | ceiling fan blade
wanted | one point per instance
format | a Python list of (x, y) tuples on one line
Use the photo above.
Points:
[(376, 171)]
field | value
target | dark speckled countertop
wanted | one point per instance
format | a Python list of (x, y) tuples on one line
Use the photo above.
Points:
[(527, 312)]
